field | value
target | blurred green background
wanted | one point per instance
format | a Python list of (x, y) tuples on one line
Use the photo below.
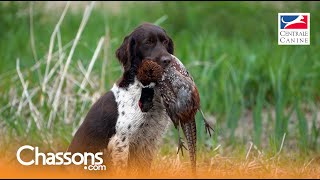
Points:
[(252, 89)]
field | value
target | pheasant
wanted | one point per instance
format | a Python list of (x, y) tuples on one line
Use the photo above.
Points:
[(180, 97)]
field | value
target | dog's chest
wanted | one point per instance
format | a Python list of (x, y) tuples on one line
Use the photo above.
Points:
[(133, 124)]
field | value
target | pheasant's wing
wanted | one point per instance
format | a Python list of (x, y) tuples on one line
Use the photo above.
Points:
[(169, 100), (182, 69), (188, 78), (184, 86)]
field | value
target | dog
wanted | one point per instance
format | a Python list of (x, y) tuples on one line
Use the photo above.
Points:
[(119, 123)]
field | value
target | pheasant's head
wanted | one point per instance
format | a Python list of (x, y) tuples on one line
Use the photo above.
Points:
[(149, 71)]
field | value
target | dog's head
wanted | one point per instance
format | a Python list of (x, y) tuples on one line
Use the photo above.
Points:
[(147, 41)]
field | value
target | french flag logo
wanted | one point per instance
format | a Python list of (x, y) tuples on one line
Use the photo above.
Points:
[(294, 21)]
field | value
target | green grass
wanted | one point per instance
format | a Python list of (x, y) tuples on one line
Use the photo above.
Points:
[(250, 85)]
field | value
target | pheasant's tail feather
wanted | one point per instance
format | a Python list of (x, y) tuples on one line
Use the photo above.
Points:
[(190, 132)]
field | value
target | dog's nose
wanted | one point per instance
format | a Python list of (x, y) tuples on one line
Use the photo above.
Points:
[(165, 60)]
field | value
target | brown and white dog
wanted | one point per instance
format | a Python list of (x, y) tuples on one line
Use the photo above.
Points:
[(128, 130)]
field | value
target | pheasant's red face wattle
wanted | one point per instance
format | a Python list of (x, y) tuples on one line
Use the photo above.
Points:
[(140, 104)]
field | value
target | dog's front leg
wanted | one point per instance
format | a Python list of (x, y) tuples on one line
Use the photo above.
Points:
[(119, 148)]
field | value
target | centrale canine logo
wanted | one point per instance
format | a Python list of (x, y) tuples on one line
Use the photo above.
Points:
[(294, 28), (294, 22), (62, 158)]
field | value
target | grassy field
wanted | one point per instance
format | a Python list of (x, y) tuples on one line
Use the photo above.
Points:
[(255, 92)]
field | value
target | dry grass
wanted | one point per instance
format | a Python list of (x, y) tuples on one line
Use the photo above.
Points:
[(257, 166)]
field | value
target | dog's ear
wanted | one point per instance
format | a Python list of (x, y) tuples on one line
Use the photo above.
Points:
[(125, 52), (170, 46)]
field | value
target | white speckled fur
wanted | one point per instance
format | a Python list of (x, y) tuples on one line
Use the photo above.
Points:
[(137, 133)]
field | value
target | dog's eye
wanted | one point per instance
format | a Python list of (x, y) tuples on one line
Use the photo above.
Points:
[(149, 42), (165, 42)]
